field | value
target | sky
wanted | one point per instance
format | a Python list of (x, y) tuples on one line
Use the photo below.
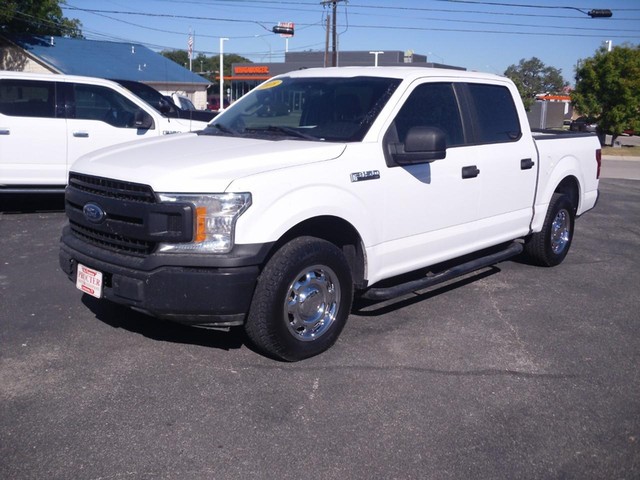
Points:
[(478, 35)]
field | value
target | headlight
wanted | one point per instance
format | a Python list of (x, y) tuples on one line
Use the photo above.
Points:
[(214, 222)]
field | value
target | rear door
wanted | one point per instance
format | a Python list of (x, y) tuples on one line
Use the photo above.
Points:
[(99, 116), (33, 140), (505, 157)]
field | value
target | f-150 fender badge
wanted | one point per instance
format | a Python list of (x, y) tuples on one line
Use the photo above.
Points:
[(368, 175)]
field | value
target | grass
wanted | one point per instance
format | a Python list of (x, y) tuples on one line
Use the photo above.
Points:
[(624, 151)]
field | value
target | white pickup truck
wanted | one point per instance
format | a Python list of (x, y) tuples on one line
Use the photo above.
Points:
[(47, 121), (319, 185)]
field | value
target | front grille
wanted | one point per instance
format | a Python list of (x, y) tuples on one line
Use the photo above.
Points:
[(112, 241), (107, 187), (134, 222)]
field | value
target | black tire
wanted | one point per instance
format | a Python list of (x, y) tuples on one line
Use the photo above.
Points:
[(550, 246), (302, 300)]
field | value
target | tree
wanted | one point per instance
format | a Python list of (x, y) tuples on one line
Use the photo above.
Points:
[(608, 89), (207, 66), (181, 57), (533, 77), (37, 17)]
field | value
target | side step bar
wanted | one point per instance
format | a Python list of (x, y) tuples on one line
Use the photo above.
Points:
[(388, 293)]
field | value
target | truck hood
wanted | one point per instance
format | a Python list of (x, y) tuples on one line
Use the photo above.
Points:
[(190, 163)]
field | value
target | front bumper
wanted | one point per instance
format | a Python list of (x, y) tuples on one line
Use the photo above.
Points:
[(192, 289)]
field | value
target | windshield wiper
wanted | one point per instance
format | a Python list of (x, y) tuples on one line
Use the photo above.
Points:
[(225, 129), (292, 132)]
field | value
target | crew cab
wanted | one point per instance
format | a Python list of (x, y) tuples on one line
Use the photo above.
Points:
[(168, 106), (47, 121), (357, 178)]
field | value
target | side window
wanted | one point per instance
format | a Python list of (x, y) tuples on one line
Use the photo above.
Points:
[(27, 98), (94, 102), (495, 113), (431, 105)]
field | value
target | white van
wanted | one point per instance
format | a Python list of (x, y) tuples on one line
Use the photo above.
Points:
[(47, 121)]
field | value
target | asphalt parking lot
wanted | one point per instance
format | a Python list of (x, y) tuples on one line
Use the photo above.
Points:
[(514, 372)]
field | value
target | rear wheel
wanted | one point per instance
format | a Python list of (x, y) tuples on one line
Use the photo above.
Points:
[(302, 300), (550, 246)]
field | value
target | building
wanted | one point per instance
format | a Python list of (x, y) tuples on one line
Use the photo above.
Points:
[(112, 60), (550, 111), (245, 76)]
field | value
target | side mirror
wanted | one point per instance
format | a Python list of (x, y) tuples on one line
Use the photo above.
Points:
[(143, 120), (166, 105), (422, 145)]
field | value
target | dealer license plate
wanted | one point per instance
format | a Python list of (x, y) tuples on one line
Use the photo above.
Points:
[(89, 281)]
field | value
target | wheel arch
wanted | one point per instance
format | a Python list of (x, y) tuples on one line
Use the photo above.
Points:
[(337, 231), (570, 186)]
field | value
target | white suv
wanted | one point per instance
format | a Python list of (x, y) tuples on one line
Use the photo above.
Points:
[(47, 121)]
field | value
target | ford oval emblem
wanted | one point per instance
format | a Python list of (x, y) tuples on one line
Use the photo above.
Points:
[(94, 212)]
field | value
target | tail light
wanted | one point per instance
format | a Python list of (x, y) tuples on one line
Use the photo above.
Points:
[(598, 161)]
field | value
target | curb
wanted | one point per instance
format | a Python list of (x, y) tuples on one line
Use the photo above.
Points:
[(623, 158)]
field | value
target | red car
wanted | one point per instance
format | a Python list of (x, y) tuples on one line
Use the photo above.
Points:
[(214, 104)]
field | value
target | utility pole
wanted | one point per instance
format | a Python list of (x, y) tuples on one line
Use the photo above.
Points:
[(334, 34), (326, 43)]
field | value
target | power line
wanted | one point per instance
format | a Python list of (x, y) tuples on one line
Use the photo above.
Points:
[(260, 23), (492, 13), (497, 32), (521, 5)]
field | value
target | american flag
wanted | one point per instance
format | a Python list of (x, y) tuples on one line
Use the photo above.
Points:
[(190, 46)]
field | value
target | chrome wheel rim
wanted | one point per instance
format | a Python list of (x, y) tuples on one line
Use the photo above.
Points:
[(311, 303), (560, 232)]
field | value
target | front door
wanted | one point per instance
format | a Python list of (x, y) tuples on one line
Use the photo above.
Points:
[(429, 208), (100, 117)]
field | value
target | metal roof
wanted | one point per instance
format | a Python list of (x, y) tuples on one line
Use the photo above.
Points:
[(124, 60)]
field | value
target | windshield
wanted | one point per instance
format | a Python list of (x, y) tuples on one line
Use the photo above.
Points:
[(151, 96), (323, 108)]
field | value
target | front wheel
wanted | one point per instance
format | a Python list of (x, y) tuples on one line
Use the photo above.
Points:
[(302, 300), (550, 246)]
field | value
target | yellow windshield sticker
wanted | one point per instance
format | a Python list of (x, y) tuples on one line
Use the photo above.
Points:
[(271, 84)]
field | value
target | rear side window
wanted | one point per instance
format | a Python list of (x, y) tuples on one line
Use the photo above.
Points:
[(27, 98), (94, 102), (495, 113)]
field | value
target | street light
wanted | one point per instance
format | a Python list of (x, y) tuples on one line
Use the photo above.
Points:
[(375, 61), (221, 106)]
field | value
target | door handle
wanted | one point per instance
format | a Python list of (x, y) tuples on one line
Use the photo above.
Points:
[(5, 131), (470, 172), (80, 134), (526, 164)]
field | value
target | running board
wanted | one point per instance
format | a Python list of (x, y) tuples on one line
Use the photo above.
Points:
[(388, 293)]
